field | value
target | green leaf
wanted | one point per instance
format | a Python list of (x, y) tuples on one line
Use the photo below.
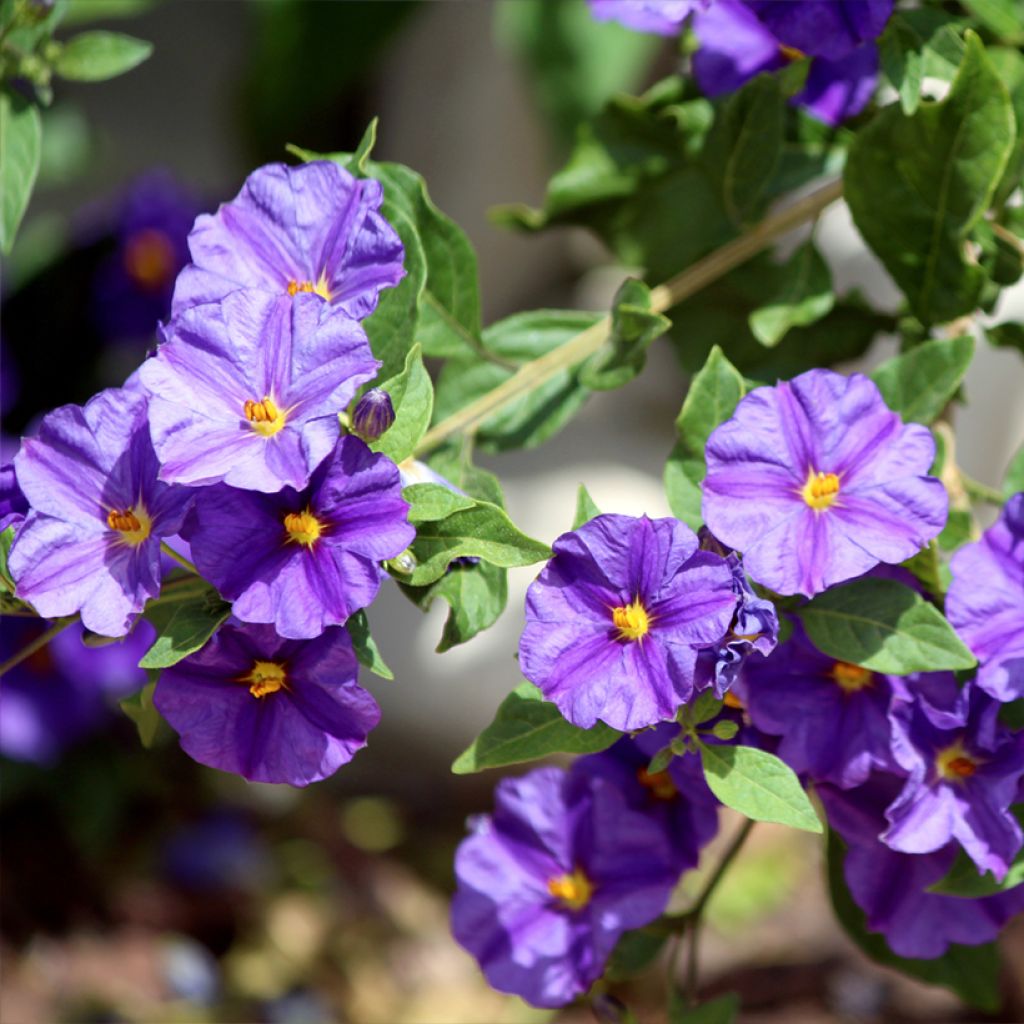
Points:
[(1004, 18), (1008, 335), (183, 627), (1009, 64), (759, 785), (365, 648), (721, 1010), (919, 383), (806, 297), (964, 881), (526, 728), (633, 953), (744, 146), (884, 626), (482, 531), (97, 56), (585, 508), (634, 327), (972, 972), (917, 185), (431, 502), (901, 51), (140, 709), (1013, 481), (713, 396), (21, 136), (6, 540), (412, 395)]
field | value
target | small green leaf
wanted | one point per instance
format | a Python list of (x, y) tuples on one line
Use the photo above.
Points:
[(140, 709), (721, 1010), (1013, 482), (1007, 335), (901, 51), (759, 785), (585, 508), (430, 502), (412, 395), (21, 137), (633, 953), (526, 728), (97, 56), (919, 383), (805, 298), (885, 627), (365, 648), (713, 396), (1004, 18), (365, 148), (183, 627)]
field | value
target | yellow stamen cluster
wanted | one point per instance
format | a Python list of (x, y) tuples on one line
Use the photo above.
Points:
[(149, 259), (265, 417), (730, 700), (265, 678), (321, 287), (631, 620), (955, 763), (791, 53), (821, 489), (134, 524), (660, 784), (851, 678), (572, 891), (303, 527)]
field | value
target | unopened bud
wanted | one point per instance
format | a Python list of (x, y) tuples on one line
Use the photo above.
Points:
[(725, 729), (404, 564), (373, 415)]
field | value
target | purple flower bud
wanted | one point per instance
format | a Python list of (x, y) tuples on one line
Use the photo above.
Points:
[(373, 415)]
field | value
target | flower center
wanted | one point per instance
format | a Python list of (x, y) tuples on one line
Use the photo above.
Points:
[(821, 489), (572, 891), (851, 678), (955, 763), (149, 259), (265, 417), (303, 527), (659, 784), (730, 700), (320, 288), (631, 620), (134, 524), (265, 678)]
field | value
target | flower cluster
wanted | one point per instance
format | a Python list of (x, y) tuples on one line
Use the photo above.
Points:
[(228, 441)]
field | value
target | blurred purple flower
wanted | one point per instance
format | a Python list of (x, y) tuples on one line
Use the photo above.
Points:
[(816, 481), (549, 882), (664, 17), (614, 621), (268, 709)]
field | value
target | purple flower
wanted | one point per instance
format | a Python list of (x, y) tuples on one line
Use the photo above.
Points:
[(247, 391), (964, 770), (663, 17), (614, 620), (13, 504), (831, 715), (548, 883), (92, 540), (677, 798), (985, 603), (823, 28), (816, 481), (305, 560), (890, 887), (292, 230), (269, 709)]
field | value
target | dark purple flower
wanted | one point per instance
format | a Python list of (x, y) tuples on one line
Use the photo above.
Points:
[(247, 391), (614, 621), (291, 230), (373, 415), (663, 17), (304, 560), (964, 770), (832, 716), (816, 481), (13, 504), (63, 691), (92, 540), (677, 798), (550, 881), (269, 709), (823, 28), (985, 603), (890, 887)]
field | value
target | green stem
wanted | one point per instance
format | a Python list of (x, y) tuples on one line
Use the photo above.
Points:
[(663, 297), (981, 492), (40, 641), (183, 562)]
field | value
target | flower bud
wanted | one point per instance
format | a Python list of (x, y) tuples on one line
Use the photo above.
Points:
[(726, 729), (373, 414)]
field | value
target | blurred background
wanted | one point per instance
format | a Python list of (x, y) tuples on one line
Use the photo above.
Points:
[(138, 886)]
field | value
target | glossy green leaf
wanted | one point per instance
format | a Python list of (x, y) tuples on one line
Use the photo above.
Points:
[(964, 881), (884, 626), (527, 728), (183, 627), (759, 785), (97, 56), (972, 972), (366, 650), (412, 395), (21, 134), (430, 502), (585, 508), (805, 298), (712, 398), (900, 50), (919, 383), (917, 185), (140, 709)]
